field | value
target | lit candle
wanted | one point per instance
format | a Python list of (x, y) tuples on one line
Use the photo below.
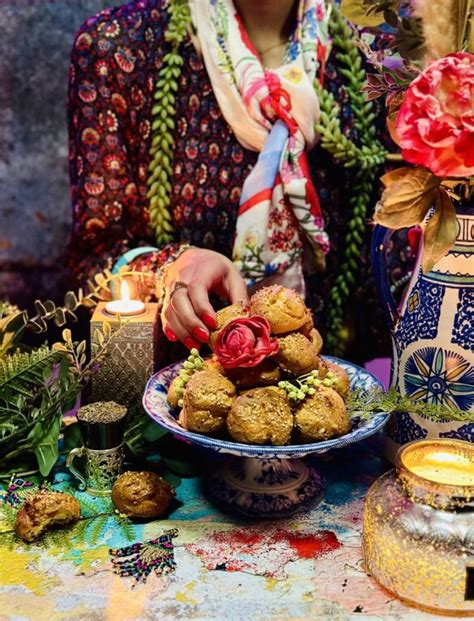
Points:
[(125, 307), (445, 462)]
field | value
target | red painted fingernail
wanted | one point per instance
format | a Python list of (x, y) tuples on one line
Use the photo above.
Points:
[(170, 335), (209, 320), (201, 334), (191, 343)]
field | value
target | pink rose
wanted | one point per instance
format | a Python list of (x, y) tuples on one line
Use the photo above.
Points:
[(245, 342), (435, 123)]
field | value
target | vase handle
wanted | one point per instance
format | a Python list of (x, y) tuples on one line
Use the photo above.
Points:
[(378, 255)]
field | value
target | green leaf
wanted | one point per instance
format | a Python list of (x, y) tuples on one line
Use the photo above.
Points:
[(64, 369), (12, 328), (181, 466), (72, 437), (45, 446), (50, 306), (23, 373), (99, 337), (37, 325), (60, 347), (151, 432)]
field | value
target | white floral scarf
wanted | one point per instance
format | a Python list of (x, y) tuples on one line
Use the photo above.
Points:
[(273, 112)]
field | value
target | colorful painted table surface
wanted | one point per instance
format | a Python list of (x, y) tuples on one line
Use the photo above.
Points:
[(306, 567)]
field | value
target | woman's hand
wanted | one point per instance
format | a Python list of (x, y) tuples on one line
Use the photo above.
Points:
[(187, 314)]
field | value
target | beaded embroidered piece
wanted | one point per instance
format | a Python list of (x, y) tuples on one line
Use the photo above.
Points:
[(140, 559), (19, 490)]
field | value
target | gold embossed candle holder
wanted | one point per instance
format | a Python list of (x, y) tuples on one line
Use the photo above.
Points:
[(131, 355), (418, 534)]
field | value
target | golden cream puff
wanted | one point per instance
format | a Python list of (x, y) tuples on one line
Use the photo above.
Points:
[(261, 416), (283, 308), (321, 416)]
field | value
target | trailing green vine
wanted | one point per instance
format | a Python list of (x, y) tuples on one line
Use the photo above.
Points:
[(163, 124), (365, 158)]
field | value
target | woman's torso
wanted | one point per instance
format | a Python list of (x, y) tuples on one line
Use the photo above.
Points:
[(210, 165)]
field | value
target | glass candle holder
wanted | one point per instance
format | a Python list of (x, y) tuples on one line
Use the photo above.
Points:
[(418, 533)]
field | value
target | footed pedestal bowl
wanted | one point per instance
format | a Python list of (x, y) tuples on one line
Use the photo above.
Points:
[(262, 481)]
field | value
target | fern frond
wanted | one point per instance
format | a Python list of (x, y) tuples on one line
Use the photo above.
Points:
[(364, 404), (22, 373), (97, 528), (127, 529)]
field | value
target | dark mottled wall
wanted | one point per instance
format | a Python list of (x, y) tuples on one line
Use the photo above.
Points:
[(35, 43)]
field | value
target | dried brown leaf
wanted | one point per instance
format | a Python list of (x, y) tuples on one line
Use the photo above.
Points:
[(393, 109), (407, 198), (356, 11), (440, 232)]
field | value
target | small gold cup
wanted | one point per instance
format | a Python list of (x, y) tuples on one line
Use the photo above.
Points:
[(102, 426)]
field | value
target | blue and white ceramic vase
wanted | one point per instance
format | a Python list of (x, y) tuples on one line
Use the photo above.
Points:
[(433, 335)]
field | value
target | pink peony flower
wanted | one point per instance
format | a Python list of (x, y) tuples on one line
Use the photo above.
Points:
[(435, 123), (245, 342)]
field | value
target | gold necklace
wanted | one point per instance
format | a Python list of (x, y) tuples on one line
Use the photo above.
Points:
[(272, 47)]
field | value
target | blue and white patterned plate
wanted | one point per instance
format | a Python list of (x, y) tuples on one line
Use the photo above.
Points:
[(154, 402)]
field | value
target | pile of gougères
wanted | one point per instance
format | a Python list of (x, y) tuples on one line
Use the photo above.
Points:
[(265, 382)]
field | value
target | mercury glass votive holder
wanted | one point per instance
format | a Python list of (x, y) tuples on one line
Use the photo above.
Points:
[(418, 532)]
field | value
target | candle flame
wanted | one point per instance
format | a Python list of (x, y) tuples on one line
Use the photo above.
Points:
[(124, 291)]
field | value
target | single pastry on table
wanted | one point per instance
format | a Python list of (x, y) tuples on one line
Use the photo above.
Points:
[(261, 416), (207, 400), (43, 511), (284, 309), (321, 416), (142, 495)]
